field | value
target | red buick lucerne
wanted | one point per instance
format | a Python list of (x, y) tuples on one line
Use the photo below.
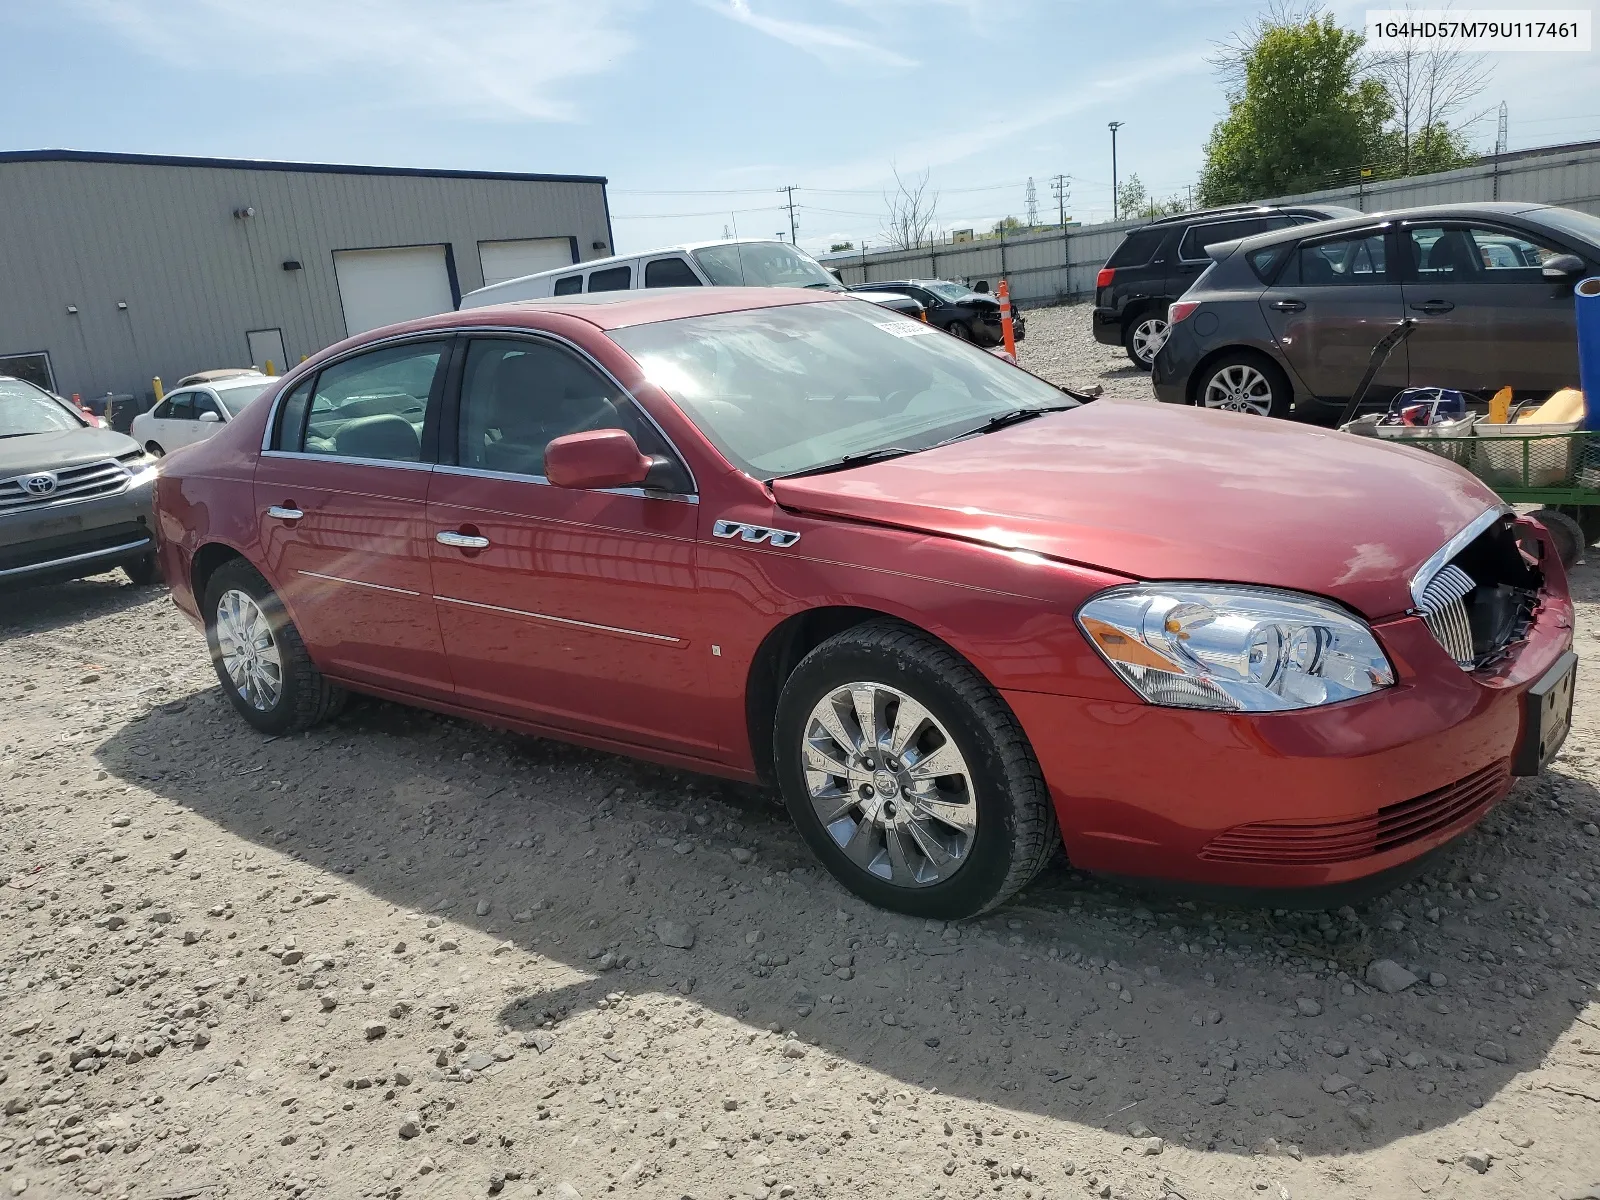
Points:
[(957, 618)]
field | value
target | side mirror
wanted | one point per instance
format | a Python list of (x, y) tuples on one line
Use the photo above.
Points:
[(598, 458), (210, 417), (1562, 266)]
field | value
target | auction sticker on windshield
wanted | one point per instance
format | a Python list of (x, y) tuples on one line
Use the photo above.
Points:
[(904, 328)]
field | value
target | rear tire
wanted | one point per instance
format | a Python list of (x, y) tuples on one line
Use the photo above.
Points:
[(1566, 534), (259, 656), (1142, 338), (1247, 382), (875, 827), (959, 330)]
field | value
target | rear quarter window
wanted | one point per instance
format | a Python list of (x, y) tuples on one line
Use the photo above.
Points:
[(1138, 248)]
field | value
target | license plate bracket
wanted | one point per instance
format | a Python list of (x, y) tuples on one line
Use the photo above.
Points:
[(1546, 716)]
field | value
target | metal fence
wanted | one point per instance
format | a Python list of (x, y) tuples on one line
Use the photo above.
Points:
[(1054, 266)]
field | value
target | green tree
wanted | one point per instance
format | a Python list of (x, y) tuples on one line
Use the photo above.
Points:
[(1133, 200), (838, 246), (1301, 109), (1008, 225)]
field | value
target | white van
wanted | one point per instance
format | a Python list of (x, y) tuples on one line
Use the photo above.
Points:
[(697, 264)]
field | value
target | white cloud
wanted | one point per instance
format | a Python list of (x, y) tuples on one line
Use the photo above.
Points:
[(490, 58), (826, 42)]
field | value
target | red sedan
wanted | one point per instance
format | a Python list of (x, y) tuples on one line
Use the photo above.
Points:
[(956, 617)]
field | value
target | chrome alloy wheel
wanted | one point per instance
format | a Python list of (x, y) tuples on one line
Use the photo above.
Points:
[(889, 784), (1148, 336), (1239, 388), (249, 651)]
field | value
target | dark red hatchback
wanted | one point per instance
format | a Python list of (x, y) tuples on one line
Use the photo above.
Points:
[(958, 618)]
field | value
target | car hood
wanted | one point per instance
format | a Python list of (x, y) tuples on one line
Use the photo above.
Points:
[(1155, 492), (64, 448)]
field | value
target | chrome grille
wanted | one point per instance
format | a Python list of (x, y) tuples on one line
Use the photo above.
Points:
[(72, 483), (1443, 609)]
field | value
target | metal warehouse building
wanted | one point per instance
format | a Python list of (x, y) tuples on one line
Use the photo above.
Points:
[(118, 267)]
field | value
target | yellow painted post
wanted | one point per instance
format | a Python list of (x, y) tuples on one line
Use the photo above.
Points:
[(270, 369), (160, 395), (303, 357)]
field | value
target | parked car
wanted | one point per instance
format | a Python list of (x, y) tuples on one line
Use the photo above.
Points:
[(74, 498), (192, 414), (900, 303), (766, 534), (1287, 321), (217, 373), (727, 263), (954, 308), (1158, 262)]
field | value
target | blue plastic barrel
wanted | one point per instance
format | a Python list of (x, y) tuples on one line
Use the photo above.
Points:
[(1587, 297)]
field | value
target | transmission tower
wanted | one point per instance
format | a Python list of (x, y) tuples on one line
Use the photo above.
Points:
[(1061, 190), (1033, 204), (1500, 138)]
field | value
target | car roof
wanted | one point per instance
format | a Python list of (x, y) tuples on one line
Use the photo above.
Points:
[(1442, 212), (618, 310), (1244, 210)]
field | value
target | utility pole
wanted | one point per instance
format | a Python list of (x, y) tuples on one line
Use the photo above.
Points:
[(789, 191), (1116, 211), (1033, 204), (1060, 189), (1501, 144)]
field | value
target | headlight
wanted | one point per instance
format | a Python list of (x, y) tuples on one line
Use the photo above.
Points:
[(1243, 649)]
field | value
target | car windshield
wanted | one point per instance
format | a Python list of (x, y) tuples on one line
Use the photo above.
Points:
[(780, 390), (763, 264), (235, 398), (1569, 221), (26, 409), (948, 291)]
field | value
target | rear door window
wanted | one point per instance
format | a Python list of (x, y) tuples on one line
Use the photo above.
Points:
[(1198, 237), (670, 272), (571, 285), (1342, 261), (612, 279)]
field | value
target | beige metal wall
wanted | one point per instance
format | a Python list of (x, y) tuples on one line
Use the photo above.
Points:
[(163, 240), (1050, 267)]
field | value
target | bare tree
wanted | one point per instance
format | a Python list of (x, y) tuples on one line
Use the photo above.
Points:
[(1428, 85), (912, 211)]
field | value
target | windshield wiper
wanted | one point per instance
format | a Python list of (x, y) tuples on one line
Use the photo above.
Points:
[(1013, 416), (848, 461)]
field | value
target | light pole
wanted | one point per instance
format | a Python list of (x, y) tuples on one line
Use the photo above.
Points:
[(1116, 209)]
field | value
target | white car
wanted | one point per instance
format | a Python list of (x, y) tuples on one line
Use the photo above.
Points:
[(193, 414)]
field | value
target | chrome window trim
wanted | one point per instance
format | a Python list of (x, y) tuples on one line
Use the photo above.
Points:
[(291, 382), (404, 464), (74, 558), (518, 612), (1439, 558), (543, 481), (377, 587)]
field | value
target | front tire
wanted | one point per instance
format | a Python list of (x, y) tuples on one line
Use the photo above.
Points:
[(155, 449), (959, 331), (1143, 337), (144, 571), (1246, 382), (259, 656), (909, 776)]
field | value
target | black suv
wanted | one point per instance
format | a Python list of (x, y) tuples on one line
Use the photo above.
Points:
[(1156, 263)]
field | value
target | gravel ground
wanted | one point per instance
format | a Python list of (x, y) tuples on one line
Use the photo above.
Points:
[(402, 955), (1060, 347)]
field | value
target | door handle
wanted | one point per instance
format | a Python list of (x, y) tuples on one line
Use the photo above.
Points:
[(285, 512), (1289, 305), (461, 541), (1434, 306)]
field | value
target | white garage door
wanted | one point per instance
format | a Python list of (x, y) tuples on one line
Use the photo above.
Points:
[(380, 287), (512, 260)]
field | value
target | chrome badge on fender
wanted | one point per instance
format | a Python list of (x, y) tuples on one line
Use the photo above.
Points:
[(754, 533)]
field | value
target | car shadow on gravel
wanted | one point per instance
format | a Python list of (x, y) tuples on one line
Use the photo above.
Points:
[(47, 607), (1082, 1002)]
